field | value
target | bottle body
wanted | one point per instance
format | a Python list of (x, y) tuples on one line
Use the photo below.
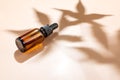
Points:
[(34, 37), (29, 39)]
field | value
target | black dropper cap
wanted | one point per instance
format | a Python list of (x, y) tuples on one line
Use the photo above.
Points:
[(48, 29)]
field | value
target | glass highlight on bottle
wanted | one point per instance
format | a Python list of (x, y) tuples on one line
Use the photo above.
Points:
[(34, 37)]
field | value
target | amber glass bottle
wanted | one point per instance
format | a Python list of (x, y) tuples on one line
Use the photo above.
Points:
[(34, 37)]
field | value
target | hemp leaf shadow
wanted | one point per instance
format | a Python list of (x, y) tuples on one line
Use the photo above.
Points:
[(42, 17), (118, 36), (81, 17), (98, 33), (18, 32), (95, 55), (92, 54), (97, 30)]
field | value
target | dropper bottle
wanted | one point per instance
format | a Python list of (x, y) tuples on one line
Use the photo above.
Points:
[(34, 37)]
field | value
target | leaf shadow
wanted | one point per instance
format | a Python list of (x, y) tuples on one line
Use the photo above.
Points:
[(115, 48), (42, 17), (119, 37), (81, 17), (18, 32), (69, 38), (99, 34), (92, 54)]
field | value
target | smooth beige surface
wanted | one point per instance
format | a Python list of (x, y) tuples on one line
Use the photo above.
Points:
[(85, 47)]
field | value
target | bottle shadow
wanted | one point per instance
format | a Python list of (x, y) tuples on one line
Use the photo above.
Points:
[(22, 57)]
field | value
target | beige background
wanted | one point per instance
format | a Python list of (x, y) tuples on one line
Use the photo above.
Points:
[(85, 47)]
